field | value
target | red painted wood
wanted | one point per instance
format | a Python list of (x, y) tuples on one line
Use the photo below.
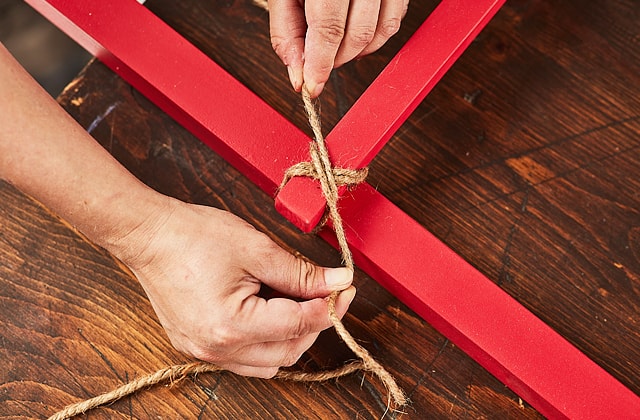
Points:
[(445, 290), (214, 108), (477, 315), (390, 99)]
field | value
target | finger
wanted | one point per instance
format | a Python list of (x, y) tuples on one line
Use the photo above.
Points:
[(273, 354), (287, 352), (391, 14), (361, 28), (288, 28), (281, 319), (326, 21), (305, 280), (290, 275), (252, 371)]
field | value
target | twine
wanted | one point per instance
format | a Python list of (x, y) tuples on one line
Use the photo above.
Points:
[(176, 373), (326, 174), (330, 178)]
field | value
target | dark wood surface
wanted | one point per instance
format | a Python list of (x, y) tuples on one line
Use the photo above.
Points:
[(525, 160)]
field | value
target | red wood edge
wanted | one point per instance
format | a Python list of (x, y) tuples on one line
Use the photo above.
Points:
[(446, 291), (390, 99), (476, 315), (169, 70)]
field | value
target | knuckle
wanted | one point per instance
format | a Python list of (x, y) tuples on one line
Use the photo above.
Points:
[(258, 241), (222, 341), (202, 354), (193, 349), (284, 47), (306, 273), (389, 27), (281, 47), (330, 30), (266, 250), (299, 329), (361, 37)]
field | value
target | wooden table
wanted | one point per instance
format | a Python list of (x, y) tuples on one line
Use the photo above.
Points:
[(525, 160)]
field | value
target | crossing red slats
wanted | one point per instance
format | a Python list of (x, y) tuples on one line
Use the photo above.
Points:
[(391, 98), (441, 287)]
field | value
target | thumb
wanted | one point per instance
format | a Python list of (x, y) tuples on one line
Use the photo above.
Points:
[(299, 278)]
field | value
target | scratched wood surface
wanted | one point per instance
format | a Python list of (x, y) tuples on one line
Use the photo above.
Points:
[(525, 160)]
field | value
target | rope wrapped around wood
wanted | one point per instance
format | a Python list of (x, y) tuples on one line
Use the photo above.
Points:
[(330, 178)]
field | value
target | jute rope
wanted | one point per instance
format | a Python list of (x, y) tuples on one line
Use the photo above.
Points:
[(330, 178), (176, 373), (323, 170)]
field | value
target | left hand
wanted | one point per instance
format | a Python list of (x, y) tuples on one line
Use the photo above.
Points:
[(202, 269), (313, 37)]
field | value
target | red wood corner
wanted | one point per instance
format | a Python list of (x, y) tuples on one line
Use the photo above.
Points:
[(390, 99), (494, 329)]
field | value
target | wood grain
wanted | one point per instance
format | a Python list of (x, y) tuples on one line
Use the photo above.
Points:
[(524, 159)]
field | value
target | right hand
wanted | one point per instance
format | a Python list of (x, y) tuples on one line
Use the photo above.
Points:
[(312, 37), (202, 269)]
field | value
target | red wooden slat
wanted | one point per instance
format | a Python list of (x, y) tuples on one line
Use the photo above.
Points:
[(169, 70), (478, 316), (390, 99), (445, 290)]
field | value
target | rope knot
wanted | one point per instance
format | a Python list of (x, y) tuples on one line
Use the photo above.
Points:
[(343, 176), (330, 178)]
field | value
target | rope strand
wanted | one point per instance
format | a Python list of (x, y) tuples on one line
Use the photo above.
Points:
[(176, 373), (330, 178), (325, 174)]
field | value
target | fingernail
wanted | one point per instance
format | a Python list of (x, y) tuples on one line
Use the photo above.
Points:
[(338, 278), (317, 90), (349, 294), (295, 76), (344, 300)]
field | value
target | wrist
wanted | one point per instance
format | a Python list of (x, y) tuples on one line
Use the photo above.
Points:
[(130, 221)]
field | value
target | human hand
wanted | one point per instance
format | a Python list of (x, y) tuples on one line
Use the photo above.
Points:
[(313, 37), (202, 269)]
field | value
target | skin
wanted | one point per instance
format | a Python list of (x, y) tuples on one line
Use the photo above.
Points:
[(315, 36), (179, 252), (182, 252)]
